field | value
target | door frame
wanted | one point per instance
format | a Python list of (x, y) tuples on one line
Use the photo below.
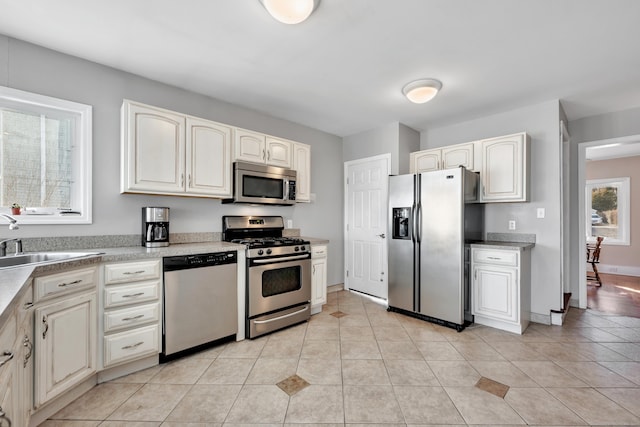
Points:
[(347, 164), (582, 181)]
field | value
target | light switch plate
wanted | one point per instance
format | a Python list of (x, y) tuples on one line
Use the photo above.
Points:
[(512, 224), (540, 213)]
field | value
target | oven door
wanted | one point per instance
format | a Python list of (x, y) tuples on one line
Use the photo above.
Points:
[(278, 283)]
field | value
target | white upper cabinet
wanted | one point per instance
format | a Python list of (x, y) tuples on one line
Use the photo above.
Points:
[(425, 161), (249, 146), (164, 152), (458, 155), (302, 166), (442, 158), (152, 149), (503, 163), (505, 169), (208, 158), (256, 147), (278, 152)]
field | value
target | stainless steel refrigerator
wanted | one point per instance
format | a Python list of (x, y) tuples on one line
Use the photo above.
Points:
[(431, 217)]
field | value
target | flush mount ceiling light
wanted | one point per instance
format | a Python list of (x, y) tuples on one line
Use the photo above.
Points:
[(421, 91), (290, 11)]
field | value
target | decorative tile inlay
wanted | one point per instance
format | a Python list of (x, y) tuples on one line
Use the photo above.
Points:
[(292, 385), (493, 387), (338, 314)]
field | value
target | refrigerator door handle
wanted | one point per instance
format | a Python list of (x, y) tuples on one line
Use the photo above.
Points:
[(418, 226), (413, 222)]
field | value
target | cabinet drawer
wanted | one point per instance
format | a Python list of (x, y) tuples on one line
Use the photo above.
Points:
[(130, 345), (61, 283), (130, 294), (318, 251), (131, 271), (127, 317), (493, 256)]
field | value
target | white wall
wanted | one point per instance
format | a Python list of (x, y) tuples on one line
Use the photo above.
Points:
[(541, 122), (33, 68)]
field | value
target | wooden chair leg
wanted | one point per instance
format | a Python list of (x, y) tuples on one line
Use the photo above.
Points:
[(595, 271)]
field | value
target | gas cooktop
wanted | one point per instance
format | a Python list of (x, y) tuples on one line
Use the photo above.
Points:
[(268, 242)]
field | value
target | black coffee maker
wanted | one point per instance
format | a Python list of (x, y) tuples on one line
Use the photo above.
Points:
[(155, 227)]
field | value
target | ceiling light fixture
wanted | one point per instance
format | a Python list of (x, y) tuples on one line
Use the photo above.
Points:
[(290, 11), (421, 91)]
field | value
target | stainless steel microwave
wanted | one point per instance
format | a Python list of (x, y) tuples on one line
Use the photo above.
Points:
[(263, 185)]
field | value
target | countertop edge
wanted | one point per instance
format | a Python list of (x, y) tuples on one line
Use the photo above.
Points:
[(503, 245)]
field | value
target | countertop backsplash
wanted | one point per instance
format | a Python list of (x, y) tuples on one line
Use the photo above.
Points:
[(37, 244), (511, 237)]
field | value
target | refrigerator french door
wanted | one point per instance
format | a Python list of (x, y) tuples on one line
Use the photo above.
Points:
[(429, 223)]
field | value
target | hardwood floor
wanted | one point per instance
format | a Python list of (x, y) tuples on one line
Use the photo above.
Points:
[(617, 295)]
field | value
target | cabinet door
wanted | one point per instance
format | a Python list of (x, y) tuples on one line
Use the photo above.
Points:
[(208, 158), (65, 345), (458, 155), (9, 385), (302, 166), (503, 169), (24, 366), (425, 161), (495, 292), (152, 150), (318, 281), (249, 146), (278, 152)]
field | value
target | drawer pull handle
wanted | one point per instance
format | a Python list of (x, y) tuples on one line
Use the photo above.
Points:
[(494, 257), (27, 305), (139, 316), (75, 282), (8, 355), (128, 347), (133, 272), (3, 418), (133, 295)]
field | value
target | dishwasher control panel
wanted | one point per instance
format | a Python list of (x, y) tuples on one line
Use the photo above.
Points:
[(199, 260)]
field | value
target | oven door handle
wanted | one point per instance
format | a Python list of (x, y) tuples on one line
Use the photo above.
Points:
[(260, 322), (272, 260)]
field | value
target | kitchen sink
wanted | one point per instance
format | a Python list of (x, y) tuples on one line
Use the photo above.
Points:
[(41, 258)]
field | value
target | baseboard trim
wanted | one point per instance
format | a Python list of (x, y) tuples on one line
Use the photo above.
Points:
[(335, 288), (541, 318), (622, 270)]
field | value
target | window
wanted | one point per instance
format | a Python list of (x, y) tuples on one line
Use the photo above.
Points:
[(45, 158), (607, 202)]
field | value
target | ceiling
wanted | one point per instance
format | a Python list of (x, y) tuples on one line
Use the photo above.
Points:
[(342, 70)]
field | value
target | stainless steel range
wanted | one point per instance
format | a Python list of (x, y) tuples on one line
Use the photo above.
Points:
[(278, 272)]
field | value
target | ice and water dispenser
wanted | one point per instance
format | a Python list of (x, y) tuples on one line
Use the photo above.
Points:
[(401, 219)]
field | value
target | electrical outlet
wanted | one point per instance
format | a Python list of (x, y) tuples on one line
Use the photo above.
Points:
[(540, 213), (512, 224)]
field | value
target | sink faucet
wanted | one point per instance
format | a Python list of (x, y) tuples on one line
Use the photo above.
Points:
[(3, 246), (13, 223)]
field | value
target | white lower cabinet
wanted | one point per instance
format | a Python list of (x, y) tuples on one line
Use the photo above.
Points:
[(9, 385), (65, 344), (501, 287), (131, 311), (318, 278)]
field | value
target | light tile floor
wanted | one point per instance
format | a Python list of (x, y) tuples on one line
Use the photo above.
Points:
[(375, 367)]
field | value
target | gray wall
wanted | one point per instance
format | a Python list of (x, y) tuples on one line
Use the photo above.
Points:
[(541, 122), (371, 143), (35, 69), (408, 143)]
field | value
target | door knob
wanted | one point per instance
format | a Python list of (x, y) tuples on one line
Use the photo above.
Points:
[(382, 235)]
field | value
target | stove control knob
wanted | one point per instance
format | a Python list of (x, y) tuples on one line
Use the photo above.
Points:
[(260, 252), (268, 251), (297, 249), (302, 248)]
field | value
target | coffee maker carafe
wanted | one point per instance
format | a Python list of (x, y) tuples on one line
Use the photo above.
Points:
[(155, 227)]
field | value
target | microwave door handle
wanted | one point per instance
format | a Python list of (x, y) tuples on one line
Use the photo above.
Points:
[(285, 182)]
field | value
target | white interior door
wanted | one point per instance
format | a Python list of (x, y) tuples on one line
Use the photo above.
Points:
[(366, 195)]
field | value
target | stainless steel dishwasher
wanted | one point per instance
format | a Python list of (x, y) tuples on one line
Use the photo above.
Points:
[(200, 300)]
